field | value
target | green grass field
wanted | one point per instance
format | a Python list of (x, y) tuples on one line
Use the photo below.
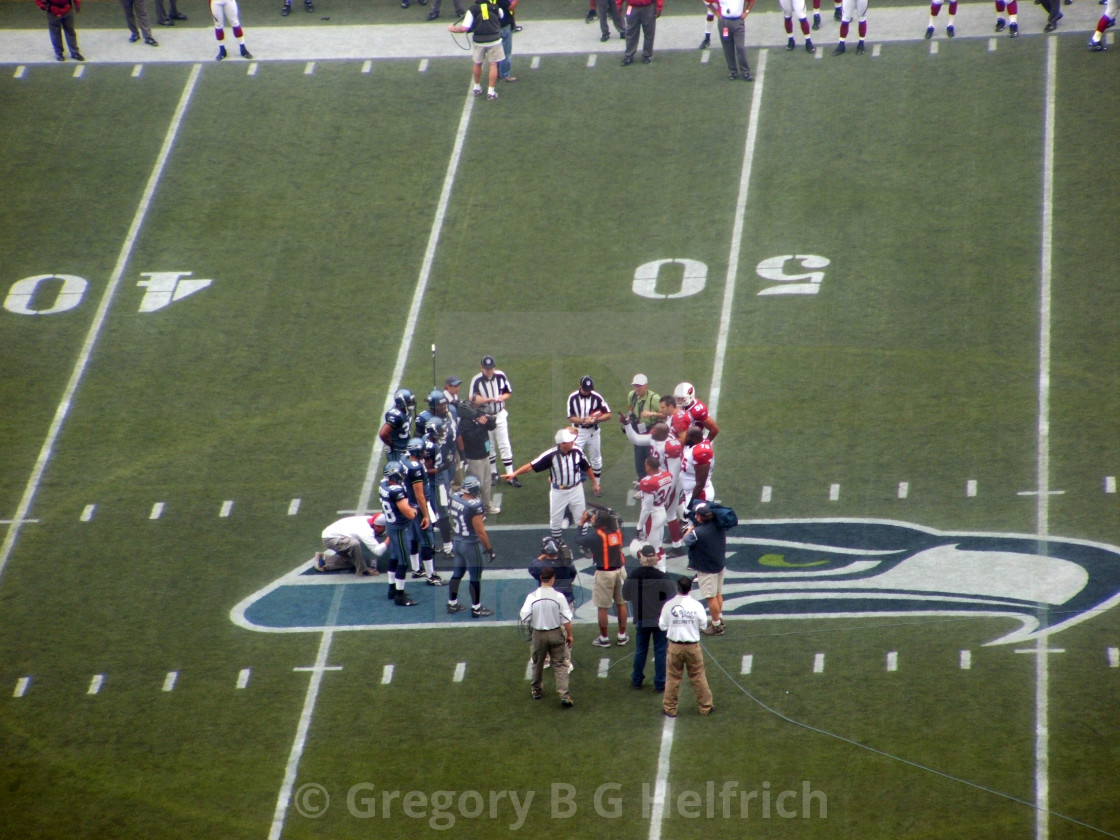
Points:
[(907, 388)]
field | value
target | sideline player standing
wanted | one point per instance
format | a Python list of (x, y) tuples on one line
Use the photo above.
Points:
[(469, 539), (695, 411), (934, 11), (223, 11), (668, 451), (396, 431), (657, 489), (848, 9), (484, 19), (567, 466), (789, 8), (1096, 44), (1012, 22), (586, 407), (490, 390), (698, 460), (711, 10)]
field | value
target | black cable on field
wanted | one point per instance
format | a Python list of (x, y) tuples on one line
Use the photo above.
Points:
[(900, 759)]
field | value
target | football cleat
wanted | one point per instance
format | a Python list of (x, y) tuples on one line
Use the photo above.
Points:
[(454, 608), (816, 21), (221, 53), (403, 600), (515, 483), (950, 31), (707, 42), (308, 6), (245, 52), (836, 14), (1013, 30), (860, 48), (840, 49), (790, 45), (809, 48), (434, 580), (1097, 46), (286, 10), (591, 15), (1001, 24), (480, 612)]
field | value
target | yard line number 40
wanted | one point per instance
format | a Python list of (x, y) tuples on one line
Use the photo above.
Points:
[(804, 277)]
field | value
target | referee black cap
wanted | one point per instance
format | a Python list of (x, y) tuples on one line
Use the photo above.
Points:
[(488, 361), (587, 383)]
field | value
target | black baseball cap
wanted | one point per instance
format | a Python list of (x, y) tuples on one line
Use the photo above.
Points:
[(453, 381), (587, 383), (488, 361)]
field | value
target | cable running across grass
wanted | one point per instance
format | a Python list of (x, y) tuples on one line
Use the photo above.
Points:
[(898, 758)]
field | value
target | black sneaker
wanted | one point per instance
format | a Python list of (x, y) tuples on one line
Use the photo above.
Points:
[(59, 57), (515, 483), (151, 42), (840, 49), (454, 608), (591, 15), (602, 39), (809, 48), (480, 612), (536, 692), (707, 42), (566, 701), (816, 21), (733, 77), (646, 59), (392, 593), (433, 15), (308, 5), (77, 56), (403, 600), (790, 45), (860, 49), (286, 10)]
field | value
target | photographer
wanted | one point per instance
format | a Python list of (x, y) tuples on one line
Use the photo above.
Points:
[(707, 553), (601, 534), (642, 414)]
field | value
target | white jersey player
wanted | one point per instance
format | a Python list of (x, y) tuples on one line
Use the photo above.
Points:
[(657, 489), (667, 450), (225, 11), (789, 9), (697, 464)]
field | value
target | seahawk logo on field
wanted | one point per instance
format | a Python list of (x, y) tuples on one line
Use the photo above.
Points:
[(816, 568), (833, 568)]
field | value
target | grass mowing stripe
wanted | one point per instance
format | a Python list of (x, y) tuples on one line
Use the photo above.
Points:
[(737, 237), (285, 795), (1042, 664), (717, 379), (98, 322), (421, 288)]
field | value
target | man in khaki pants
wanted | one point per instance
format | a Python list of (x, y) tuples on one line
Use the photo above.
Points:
[(681, 619)]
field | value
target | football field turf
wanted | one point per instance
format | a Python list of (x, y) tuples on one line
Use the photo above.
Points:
[(892, 277)]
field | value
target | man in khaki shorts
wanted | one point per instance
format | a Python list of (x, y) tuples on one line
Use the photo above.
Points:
[(484, 20), (601, 534), (707, 553)]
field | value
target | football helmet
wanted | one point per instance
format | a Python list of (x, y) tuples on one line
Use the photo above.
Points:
[(395, 470), (436, 397), (416, 448), (434, 428), (685, 395), (404, 399), (472, 485), (549, 547)]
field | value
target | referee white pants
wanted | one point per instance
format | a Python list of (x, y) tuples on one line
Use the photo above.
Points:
[(560, 500), (588, 441), (499, 442)]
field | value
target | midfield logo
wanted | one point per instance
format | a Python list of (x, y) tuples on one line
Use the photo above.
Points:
[(814, 568), (846, 568)]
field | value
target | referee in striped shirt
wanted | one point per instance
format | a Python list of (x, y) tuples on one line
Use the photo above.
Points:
[(490, 390), (586, 407), (567, 467)]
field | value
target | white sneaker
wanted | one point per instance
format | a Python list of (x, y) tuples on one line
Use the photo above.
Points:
[(602, 641), (623, 639)]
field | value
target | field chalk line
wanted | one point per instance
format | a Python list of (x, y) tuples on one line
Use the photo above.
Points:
[(658, 805)]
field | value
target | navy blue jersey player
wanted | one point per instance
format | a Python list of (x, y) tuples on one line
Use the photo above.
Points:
[(469, 539), (397, 428), (422, 551), (399, 514)]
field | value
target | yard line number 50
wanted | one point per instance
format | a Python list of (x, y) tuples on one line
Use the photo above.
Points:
[(804, 279)]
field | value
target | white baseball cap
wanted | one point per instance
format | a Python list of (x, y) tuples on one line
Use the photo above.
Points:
[(639, 379), (565, 436)]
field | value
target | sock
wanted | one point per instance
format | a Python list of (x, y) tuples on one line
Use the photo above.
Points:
[(429, 567), (788, 24), (1000, 6), (239, 34), (805, 26), (220, 34), (414, 562), (862, 29), (844, 30)]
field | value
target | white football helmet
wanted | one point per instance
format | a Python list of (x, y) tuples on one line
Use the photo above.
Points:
[(685, 395)]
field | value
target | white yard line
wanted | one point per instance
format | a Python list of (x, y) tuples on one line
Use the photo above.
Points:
[(737, 236), (98, 322), (283, 800), (717, 380), (1042, 659)]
